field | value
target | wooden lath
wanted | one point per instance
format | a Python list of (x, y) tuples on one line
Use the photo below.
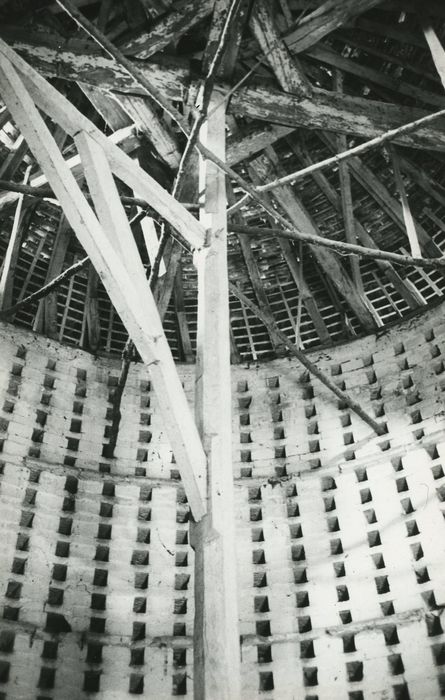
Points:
[(110, 244)]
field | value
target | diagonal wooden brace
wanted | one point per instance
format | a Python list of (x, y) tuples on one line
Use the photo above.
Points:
[(125, 282)]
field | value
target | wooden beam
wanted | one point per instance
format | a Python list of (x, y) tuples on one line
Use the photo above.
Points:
[(216, 636), (406, 209), (71, 120), (48, 307), (423, 179), (247, 143), (92, 315), (346, 200), (11, 256), (124, 137), (330, 57), (304, 292), (142, 320), (252, 270), (286, 68), (371, 184), (181, 317), (324, 20), (121, 110), (325, 110), (234, 41), (300, 218), (291, 78), (257, 174), (164, 291), (407, 292), (342, 247), (13, 161), (47, 289), (143, 114), (338, 113), (436, 48), (168, 28)]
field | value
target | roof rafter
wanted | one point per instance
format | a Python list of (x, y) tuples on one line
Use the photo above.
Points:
[(325, 110)]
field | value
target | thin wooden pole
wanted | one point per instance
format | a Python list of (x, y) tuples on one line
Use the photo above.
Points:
[(113, 253), (346, 198), (406, 209), (436, 48), (12, 251), (311, 366), (46, 289), (339, 157), (216, 636), (341, 247), (47, 193)]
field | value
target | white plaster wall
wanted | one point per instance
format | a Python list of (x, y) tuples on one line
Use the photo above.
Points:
[(340, 538)]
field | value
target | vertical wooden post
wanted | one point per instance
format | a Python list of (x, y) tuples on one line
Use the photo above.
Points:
[(436, 48), (216, 636), (12, 253)]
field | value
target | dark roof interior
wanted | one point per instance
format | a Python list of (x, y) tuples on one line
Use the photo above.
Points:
[(380, 55)]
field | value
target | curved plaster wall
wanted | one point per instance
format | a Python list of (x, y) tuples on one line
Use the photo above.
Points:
[(340, 534)]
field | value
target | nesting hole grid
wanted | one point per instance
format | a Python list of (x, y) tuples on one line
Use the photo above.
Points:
[(339, 532)]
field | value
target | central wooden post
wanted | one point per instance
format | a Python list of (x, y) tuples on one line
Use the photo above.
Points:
[(216, 636)]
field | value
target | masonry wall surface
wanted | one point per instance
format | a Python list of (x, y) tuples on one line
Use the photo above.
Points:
[(340, 534)]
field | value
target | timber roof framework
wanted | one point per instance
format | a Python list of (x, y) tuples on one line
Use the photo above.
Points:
[(302, 80)]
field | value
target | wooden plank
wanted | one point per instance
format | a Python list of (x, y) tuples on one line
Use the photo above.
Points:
[(120, 110), (219, 14), (329, 56), (151, 242), (234, 40), (142, 320), (181, 317), (92, 316), (406, 209), (235, 357), (145, 116), (13, 161), (364, 175), (325, 110), (258, 169), (267, 164), (304, 291), (168, 28), (71, 120), (252, 268), (286, 68), (164, 290), (311, 366), (216, 637), (423, 179), (323, 20), (124, 137), (292, 78), (346, 199), (406, 292), (243, 145), (48, 306), (436, 48), (11, 257), (107, 106), (338, 113)]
